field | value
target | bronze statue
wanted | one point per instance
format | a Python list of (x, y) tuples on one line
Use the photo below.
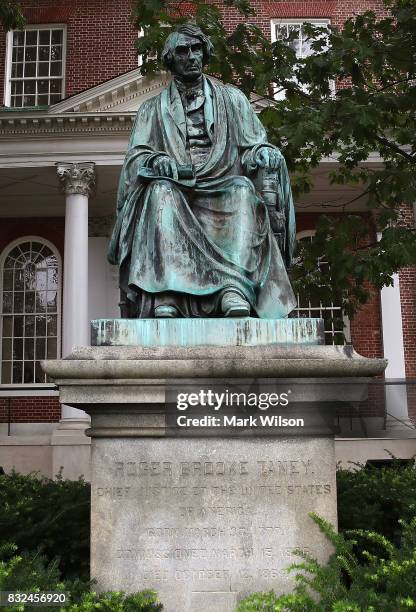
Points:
[(205, 218)]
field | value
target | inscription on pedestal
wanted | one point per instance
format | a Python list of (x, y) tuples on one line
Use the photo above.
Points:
[(219, 517)]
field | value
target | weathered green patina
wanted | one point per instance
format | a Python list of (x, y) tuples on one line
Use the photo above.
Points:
[(200, 332), (205, 218)]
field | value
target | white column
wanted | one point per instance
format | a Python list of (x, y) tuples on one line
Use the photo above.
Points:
[(396, 395), (77, 182)]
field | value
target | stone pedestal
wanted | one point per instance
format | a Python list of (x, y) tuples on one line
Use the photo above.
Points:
[(207, 517)]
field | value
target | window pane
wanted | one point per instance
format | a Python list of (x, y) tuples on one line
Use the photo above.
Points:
[(18, 38), (30, 301), (7, 327), (18, 348), (54, 98), (18, 326), (52, 350), (56, 68), (40, 348), (44, 54), (29, 101), (30, 71), (57, 36), (17, 72), (29, 352), (55, 86), (39, 374), (56, 52), (30, 54), (41, 279), (43, 86), (30, 87), (16, 101), (18, 54), (40, 301), (43, 100), (19, 280), (18, 301), (52, 278), (40, 326), (52, 325), (6, 372), (294, 33), (43, 69), (44, 37), (17, 87), (8, 280), (31, 37), (52, 301), (29, 366), (30, 277), (29, 326), (7, 301), (17, 372), (6, 349)]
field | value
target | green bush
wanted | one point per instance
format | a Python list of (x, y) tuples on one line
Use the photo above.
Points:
[(52, 516), (377, 498), (32, 572), (386, 582)]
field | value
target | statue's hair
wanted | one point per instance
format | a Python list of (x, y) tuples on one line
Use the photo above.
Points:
[(189, 29)]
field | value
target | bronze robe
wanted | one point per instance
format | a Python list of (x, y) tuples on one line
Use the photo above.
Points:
[(194, 239)]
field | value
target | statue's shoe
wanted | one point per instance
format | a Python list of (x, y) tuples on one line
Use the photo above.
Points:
[(166, 312), (234, 305)]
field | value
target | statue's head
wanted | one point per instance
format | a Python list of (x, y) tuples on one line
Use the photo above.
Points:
[(186, 51)]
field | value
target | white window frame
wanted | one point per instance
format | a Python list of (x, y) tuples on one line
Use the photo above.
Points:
[(3, 257), (313, 310), (9, 53), (318, 22)]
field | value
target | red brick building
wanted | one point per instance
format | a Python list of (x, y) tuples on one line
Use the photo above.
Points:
[(70, 86)]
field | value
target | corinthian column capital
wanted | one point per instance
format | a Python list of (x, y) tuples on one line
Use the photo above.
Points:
[(77, 178)]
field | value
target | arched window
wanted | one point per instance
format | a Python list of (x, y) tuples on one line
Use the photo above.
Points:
[(30, 309), (337, 325)]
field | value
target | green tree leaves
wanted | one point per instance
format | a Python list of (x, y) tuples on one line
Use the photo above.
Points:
[(367, 123), (11, 16)]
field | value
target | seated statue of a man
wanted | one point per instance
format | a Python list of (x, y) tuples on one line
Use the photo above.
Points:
[(198, 233)]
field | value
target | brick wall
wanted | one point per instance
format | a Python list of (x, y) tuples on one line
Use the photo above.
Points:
[(407, 279), (101, 38), (30, 409), (50, 228)]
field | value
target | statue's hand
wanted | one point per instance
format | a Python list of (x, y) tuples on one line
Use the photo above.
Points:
[(268, 158), (166, 166)]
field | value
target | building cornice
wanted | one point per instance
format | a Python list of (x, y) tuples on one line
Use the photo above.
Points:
[(40, 124)]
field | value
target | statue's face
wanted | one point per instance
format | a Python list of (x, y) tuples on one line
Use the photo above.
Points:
[(188, 58)]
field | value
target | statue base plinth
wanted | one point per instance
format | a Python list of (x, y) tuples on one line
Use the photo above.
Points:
[(207, 332), (205, 519)]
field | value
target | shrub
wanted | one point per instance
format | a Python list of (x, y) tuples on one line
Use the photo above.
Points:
[(386, 496), (386, 582), (52, 516), (32, 572)]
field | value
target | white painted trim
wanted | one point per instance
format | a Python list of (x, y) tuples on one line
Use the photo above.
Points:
[(8, 68), (55, 251), (305, 234), (123, 87), (392, 326)]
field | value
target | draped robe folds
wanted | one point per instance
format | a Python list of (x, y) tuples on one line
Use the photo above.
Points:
[(191, 240)]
